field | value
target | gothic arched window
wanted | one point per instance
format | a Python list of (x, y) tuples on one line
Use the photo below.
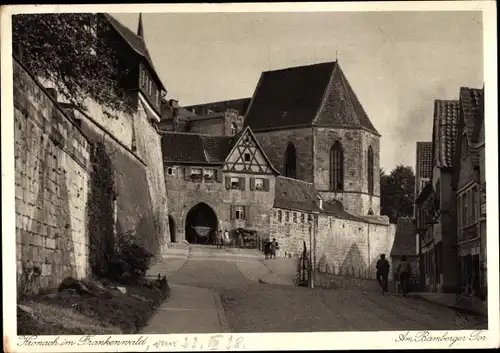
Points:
[(370, 170), (290, 161), (234, 129), (337, 167)]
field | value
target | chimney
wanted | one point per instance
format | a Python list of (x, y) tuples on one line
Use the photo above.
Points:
[(174, 103)]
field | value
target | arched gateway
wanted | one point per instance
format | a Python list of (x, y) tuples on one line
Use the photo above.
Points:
[(201, 224)]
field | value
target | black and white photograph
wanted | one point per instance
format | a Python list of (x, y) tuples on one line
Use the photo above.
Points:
[(212, 172)]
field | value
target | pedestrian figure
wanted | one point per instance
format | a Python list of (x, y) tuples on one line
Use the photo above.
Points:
[(267, 249), (274, 246), (404, 274), (240, 240), (226, 238), (383, 268), (219, 239)]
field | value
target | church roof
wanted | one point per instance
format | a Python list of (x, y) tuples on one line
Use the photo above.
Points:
[(318, 94), (135, 42), (183, 147), (405, 242), (446, 115)]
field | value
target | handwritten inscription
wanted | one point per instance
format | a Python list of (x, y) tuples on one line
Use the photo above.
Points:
[(447, 337), (213, 343), (143, 343)]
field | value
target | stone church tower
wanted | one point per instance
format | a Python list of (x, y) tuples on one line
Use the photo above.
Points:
[(313, 128)]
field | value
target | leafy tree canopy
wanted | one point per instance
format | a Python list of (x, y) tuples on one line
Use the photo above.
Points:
[(397, 192), (73, 51)]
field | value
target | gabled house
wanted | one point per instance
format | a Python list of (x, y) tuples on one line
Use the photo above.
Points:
[(468, 182), (216, 183), (444, 136)]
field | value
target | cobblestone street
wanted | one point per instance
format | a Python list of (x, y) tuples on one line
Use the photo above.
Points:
[(251, 306)]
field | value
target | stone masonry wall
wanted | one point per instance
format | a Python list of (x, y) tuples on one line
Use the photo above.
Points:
[(51, 175), (148, 144), (355, 197), (274, 144), (184, 195), (342, 247), (213, 126)]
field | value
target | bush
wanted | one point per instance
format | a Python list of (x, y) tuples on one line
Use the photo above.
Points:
[(130, 262)]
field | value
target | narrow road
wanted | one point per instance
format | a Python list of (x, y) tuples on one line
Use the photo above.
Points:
[(254, 307)]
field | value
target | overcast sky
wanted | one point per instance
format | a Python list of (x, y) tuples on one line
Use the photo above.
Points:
[(397, 62)]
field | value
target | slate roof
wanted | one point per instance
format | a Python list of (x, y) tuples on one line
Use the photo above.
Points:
[(294, 97), (405, 242), (240, 105), (136, 42), (295, 194), (183, 147), (424, 163), (471, 100), (302, 196), (446, 115)]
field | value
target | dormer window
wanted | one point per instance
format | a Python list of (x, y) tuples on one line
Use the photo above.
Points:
[(465, 145)]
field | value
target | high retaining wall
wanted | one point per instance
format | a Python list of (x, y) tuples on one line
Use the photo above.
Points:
[(342, 246), (52, 168), (58, 192)]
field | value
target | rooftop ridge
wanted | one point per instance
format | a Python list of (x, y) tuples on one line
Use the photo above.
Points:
[(302, 181), (300, 66)]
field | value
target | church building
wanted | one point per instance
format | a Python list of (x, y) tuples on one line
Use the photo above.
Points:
[(297, 161)]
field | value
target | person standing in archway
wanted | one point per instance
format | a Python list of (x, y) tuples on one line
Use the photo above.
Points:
[(226, 238)]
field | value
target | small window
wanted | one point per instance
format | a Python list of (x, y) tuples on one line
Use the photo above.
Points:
[(209, 174), (235, 183), (240, 212), (247, 157), (287, 216), (302, 218), (259, 184), (196, 174), (294, 217), (234, 129), (280, 216), (170, 171)]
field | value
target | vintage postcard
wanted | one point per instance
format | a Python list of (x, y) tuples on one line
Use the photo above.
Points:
[(234, 177)]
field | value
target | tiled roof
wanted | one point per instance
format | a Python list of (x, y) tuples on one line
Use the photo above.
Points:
[(424, 165), (471, 100), (240, 105), (296, 96), (300, 195), (446, 113), (295, 194), (135, 42), (341, 106), (405, 242), (424, 159), (196, 148)]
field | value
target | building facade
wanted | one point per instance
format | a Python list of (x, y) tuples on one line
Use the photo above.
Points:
[(470, 193), (296, 162)]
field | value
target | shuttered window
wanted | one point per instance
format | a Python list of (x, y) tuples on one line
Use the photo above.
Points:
[(238, 212)]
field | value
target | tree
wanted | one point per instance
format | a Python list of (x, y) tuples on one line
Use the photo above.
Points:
[(397, 192), (73, 51)]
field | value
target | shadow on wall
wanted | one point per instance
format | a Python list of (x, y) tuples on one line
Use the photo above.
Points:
[(100, 210), (45, 259)]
